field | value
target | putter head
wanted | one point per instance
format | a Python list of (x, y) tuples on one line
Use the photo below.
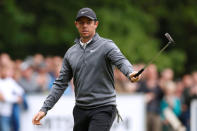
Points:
[(170, 40)]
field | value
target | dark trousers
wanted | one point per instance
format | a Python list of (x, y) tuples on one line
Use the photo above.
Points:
[(97, 119)]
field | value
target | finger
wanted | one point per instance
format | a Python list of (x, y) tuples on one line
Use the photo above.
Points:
[(134, 79), (36, 119), (133, 73), (137, 77), (39, 116), (36, 123)]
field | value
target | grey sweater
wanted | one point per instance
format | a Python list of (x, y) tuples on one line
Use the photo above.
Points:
[(92, 72)]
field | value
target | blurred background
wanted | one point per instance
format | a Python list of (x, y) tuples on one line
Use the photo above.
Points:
[(34, 36)]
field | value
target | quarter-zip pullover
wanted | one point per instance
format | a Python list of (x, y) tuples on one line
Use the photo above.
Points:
[(92, 72)]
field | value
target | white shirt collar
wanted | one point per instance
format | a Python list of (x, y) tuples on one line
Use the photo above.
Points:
[(85, 44)]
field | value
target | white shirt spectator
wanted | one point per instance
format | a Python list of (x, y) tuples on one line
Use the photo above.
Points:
[(11, 92)]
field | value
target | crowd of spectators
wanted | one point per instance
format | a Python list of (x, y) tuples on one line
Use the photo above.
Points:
[(36, 74), (164, 95)]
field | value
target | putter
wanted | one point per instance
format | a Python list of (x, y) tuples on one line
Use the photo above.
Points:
[(170, 41)]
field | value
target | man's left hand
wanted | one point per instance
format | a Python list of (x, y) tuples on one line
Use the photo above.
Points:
[(133, 78)]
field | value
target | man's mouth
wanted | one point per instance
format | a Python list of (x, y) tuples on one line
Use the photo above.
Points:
[(84, 31)]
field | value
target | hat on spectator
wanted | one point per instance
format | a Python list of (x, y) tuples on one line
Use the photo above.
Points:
[(86, 12), (24, 66)]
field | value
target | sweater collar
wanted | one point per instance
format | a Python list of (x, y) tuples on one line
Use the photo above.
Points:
[(94, 39)]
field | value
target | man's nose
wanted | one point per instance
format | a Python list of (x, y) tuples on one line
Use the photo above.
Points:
[(85, 24)]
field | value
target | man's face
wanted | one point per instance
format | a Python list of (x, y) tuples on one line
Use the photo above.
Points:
[(86, 27)]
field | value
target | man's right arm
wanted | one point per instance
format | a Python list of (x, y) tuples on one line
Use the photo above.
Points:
[(56, 92)]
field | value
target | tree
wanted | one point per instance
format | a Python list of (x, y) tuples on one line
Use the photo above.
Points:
[(137, 27)]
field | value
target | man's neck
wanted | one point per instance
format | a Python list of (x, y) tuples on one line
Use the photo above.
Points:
[(85, 40)]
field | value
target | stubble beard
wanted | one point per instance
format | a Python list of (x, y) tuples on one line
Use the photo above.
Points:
[(87, 37)]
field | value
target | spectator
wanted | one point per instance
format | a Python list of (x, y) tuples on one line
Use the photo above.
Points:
[(57, 63), (194, 88), (188, 84), (37, 60), (179, 90), (153, 93), (167, 75), (53, 65), (171, 102), (194, 75), (11, 93), (28, 79), (4, 59), (43, 77), (17, 69)]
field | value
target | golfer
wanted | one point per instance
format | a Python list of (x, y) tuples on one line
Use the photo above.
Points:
[(90, 62)]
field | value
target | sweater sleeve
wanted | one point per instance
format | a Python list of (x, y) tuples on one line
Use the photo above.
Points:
[(115, 56), (59, 86)]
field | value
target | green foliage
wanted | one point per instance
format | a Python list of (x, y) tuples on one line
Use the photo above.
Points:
[(137, 27), (174, 59)]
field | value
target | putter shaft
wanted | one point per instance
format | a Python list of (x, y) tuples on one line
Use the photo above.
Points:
[(170, 40)]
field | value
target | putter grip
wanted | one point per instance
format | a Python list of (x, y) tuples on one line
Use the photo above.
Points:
[(139, 72)]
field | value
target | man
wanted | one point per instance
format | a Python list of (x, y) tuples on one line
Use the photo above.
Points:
[(90, 62)]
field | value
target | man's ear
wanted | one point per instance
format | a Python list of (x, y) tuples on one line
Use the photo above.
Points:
[(96, 23), (76, 23)]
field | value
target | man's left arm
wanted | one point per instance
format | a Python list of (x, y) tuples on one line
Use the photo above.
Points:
[(114, 54)]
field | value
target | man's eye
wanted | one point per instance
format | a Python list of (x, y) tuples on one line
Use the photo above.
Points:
[(82, 23)]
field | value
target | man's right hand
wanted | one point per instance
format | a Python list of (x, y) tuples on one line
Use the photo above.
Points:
[(38, 117)]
